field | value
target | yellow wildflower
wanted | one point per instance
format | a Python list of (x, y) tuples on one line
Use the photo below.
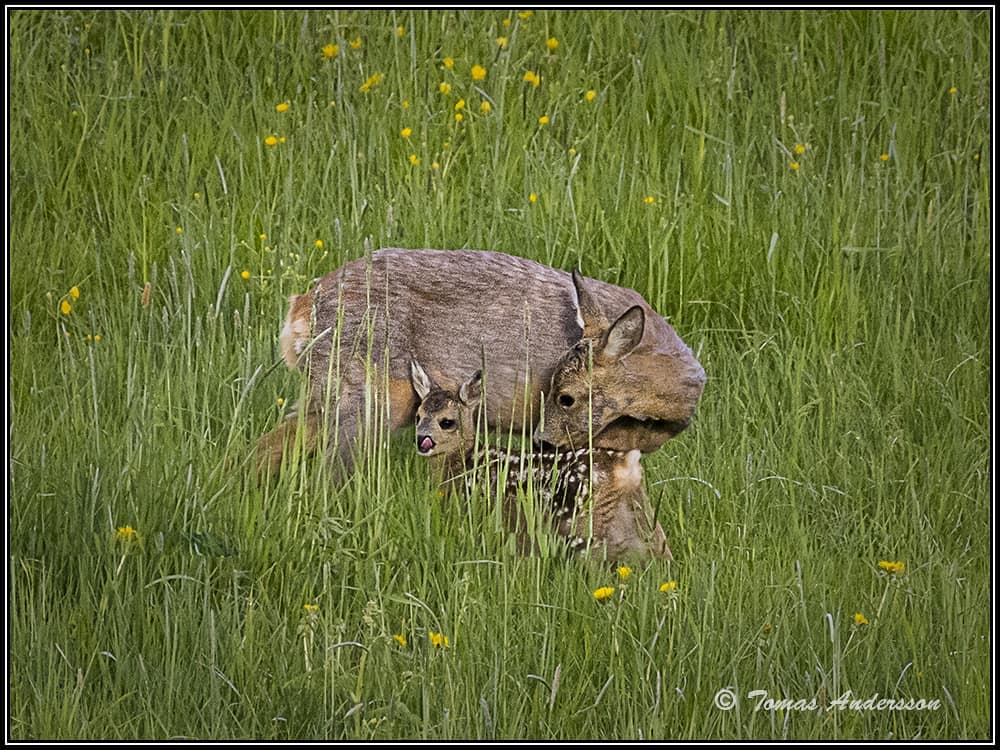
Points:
[(543, 120), (449, 63), (444, 88), (281, 401), (532, 198), (74, 292), (244, 274), (485, 107), (800, 149), (572, 151), (552, 43), (794, 166), (460, 104), (406, 103), (179, 230), (263, 235), (373, 80), (624, 571), (65, 307), (478, 72), (668, 587), (414, 159), (502, 42), (271, 141), (282, 107), (533, 78), (953, 91), (524, 15), (319, 244), (459, 117), (506, 22), (603, 593), (860, 619), (356, 43), (400, 31), (311, 608), (330, 51), (649, 199), (406, 132), (896, 568), (884, 157), (125, 534), (438, 639), (590, 95), (400, 639), (435, 165)]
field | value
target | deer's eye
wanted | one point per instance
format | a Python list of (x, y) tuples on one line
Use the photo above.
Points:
[(565, 400), (447, 424)]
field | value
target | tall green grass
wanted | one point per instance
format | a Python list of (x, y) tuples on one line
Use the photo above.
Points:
[(840, 309)]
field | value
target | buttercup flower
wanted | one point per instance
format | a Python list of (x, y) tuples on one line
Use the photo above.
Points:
[(478, 72), (400, 31), (400, 639), (543, 120), (590, 95), (271, 141), (552, 43), (244, 274), (282, 107), (438, 639), (414, 159), (953, 91), (65, 307), (460, 104), (406, 132), (800, 149), (319, 244), (884, 157), (444, 88), (485, 108), (74, 292), (649, 200), (794, 166), (502, 42), (533, 78), (532, 198)]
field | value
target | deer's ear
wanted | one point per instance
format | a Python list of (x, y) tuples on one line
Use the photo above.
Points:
[(472, 389), (624, 335), (589, 314), (421, 383)]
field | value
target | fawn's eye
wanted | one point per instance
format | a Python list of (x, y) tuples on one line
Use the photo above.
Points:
[(566, 400), (447, 424)]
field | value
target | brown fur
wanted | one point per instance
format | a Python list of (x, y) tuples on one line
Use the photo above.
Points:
[(456, 311), (595, 499)]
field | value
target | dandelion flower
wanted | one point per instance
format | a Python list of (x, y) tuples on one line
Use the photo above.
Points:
[(794, 166), (244, 274), (310, 608), (552, 43), (502, 42), (281, 139), (524, 15), (460, 104), (65, 307), (603, 593), (406, 132), (282, 107), (449, 63), (860, 619), (506, 22), (438, 640), (444, 88), (319, 244), (896, 568), (125, 534), (532, 78), (953, 91), (485, 107), (356, 43), (590, 95), (74, 292), (459, 117), (271, 141), (330, 51), (400, 639), (649, 200), (414, 159), (373, 80), (884, 157), (800, 149), (179, 230), (532, 198), (543, 120), (624, 571), (478, 72), (668, 587), (262, 235)]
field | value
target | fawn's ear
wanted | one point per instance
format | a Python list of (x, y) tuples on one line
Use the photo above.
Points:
[(421, 383), (624, 334), (472, 389), (589, 314)]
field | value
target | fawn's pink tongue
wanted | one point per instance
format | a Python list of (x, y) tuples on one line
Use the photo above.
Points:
[(426, 444)]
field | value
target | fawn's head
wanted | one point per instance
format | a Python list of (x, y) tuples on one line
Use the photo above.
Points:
[(609, 380), (446, 419)]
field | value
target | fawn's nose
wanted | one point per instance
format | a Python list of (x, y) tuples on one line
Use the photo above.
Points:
[(425, 443)]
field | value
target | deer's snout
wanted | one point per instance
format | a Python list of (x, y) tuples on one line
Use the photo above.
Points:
[(425, 443)]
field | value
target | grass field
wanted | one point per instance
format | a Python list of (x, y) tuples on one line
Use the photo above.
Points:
[(805, 195)]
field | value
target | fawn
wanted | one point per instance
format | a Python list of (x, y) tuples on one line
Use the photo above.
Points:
[(356, 330), (586, 495)]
